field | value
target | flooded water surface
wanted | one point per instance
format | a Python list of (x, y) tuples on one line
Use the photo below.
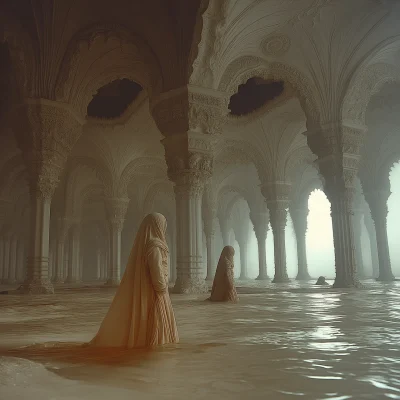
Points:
[(292, 341)]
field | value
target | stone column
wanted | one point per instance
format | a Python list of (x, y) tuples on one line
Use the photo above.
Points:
[(172, 259), (189, 170), (80, 274), (243, 260), (116, 211), (98, 265), (21, 261), (377, 201), (276, 194), (299, 218), (369, 224), (105, 264), (260, 225), (209, 230), (67, 257), (357, 219), (6, 259), (63, 227), (2, 265), (338, 149), (45, 131), (37, 280), (74, 255), (12, 271), (190, 118), (225, 229), (51, 263)]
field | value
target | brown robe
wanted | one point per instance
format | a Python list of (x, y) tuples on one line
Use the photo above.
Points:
[(223, 288)]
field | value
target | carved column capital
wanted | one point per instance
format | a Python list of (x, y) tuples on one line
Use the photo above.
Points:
[(377, 201), (337, 146), (189, 108), (260, 221), (277, 198), (46, 131), (190, 162), (43, 179), (116, 211), (299, 218)]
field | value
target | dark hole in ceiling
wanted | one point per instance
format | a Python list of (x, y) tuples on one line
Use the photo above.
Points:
[(253, 94), (113, 99)]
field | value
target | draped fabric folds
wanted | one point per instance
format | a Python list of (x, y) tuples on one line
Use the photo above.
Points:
[(223, 288), (141, 313)]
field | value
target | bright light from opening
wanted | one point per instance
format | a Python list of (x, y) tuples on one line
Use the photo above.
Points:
[(319, 238), (394, 218)]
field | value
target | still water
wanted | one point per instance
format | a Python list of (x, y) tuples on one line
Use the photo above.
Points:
[(289, 341)]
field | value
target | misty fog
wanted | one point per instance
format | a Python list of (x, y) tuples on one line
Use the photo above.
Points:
[(319, 239)]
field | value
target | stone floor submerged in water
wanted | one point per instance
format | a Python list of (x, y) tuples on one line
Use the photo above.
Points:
[(280, 342)]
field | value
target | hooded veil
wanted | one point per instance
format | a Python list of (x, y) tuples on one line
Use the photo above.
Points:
[(223, 288), (141, 313)]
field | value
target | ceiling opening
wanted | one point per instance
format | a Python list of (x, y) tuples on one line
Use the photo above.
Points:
[(113, 99), (253, 94)]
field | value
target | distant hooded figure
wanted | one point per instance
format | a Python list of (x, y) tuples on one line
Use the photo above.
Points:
[(321, 281), (141, 313), (223, 288)]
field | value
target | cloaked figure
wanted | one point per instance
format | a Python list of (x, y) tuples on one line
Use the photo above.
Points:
[(321, 281), (223, 288), (141, 313)]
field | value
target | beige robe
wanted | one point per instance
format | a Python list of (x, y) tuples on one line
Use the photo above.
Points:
[(141, 313), (223, 288)]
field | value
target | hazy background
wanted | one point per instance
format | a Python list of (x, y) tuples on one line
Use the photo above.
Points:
[(319, 239)]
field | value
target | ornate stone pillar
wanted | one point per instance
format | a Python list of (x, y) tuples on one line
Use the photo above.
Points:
[(369, 224), (63, 227), (74, 255), (260, 225), (116, 211), (189, 167), (277, 197), (357, 219), (46, 131), (299, 218), (377, 201), (338, 149)]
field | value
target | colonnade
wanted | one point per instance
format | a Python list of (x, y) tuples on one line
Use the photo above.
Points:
[(66, 258), (12, 259)]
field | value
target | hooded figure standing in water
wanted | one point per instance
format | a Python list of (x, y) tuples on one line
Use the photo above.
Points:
[(141, 313), (223, 288)]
